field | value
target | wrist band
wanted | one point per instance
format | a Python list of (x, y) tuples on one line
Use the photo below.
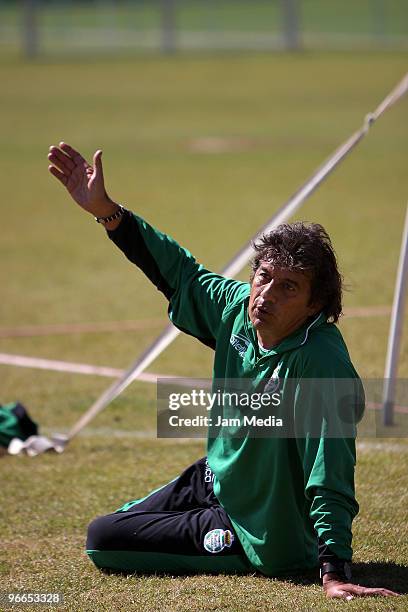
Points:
[(117, 215), (341, 568)]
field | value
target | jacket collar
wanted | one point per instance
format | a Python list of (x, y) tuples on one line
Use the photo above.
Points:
[(298, 338)]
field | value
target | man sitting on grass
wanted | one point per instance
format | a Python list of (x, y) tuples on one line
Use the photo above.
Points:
[(277, 504)]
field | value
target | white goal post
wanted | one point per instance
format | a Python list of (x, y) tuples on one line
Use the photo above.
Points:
[(396, 328)]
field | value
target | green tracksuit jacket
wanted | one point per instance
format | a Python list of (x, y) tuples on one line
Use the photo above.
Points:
[(279, 492)]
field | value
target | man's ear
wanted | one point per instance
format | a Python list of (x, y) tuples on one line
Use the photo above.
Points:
[(314, 308)]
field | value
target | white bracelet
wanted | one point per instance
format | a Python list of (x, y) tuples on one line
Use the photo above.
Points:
[(117, 215)]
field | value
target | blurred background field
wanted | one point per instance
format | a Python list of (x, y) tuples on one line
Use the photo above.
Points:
[(205, 146), (207, 159), (122, 25)]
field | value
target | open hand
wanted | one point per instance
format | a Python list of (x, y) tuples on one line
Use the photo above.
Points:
[(85, 183), (347, 590)]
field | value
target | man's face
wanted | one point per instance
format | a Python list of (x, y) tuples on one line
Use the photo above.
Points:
[(279, 302)]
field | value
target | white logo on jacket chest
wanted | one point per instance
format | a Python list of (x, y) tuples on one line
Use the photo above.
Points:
[(240, 343)]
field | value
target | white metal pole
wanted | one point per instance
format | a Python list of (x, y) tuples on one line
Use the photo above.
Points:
[(379, 9), (395, 333), (30, 28), (168, 9), (291, 24)]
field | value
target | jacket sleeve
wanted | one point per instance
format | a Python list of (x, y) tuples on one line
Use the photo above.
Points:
[(325, 409), (329, 488), (197, 297)]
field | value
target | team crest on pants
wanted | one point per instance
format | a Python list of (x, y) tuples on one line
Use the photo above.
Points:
[(217, 539)]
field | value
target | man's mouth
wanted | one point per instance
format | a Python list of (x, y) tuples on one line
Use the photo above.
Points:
[(261, 311)]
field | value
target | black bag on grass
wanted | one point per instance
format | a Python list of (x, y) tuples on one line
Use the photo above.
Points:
[(15, 423)]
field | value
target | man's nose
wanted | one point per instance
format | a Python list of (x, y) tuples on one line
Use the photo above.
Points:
[(268, 292)]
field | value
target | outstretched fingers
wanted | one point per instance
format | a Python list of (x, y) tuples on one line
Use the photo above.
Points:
[(58, 174), (61, 161), (380, 592), (359, 591), (84, 182), (73, 153)]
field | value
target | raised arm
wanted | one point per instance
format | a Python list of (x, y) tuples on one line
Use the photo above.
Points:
[(84, 183), (197, 296)]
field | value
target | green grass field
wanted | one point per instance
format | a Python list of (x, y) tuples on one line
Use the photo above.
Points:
[(278, 116)]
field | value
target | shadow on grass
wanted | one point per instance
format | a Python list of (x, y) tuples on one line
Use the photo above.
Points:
[(388, 575), (373, 574)]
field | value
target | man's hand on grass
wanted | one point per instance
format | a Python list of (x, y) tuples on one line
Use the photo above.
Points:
[(334, 587), (85, 183)]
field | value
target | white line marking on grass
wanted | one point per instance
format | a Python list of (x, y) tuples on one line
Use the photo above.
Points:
[(364, 446), (107, 432), (77, 328), (378, 406), (367, 311), (217, 144), (118, 433), (92, 370), (89, 432), (112, 326), (74, 368), (102, 432)]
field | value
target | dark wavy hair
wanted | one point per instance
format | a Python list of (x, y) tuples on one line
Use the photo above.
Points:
[(306, 248)]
